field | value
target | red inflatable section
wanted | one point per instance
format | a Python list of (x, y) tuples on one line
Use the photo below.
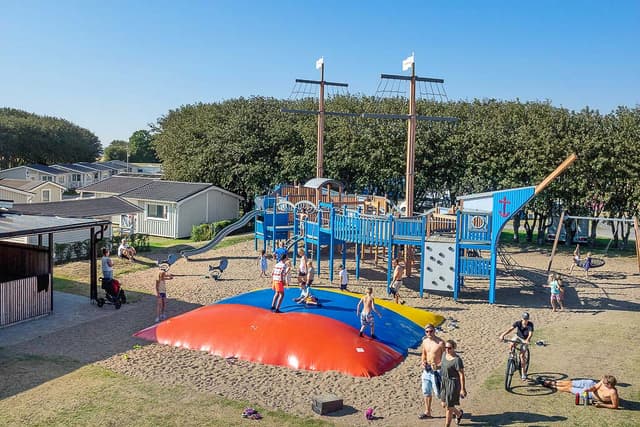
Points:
[(296, 340)]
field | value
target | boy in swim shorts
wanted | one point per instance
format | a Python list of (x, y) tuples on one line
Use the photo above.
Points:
[(368, 308)]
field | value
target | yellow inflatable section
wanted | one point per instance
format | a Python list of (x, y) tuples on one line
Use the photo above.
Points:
[(420, 317)]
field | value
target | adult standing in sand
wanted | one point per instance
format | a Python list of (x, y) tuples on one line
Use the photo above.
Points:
[(368, 308), (432, 351), (453, 383), (278, 277)]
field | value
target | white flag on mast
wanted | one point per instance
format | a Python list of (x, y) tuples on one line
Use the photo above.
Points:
[(319, 63), (407, 63)]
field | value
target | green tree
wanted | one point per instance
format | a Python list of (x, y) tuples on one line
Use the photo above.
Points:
[(141, 147), (29, 138), (117, 150)]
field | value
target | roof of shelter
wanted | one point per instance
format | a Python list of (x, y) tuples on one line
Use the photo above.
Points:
[(79, 208), (117, 184), (321, 182), (16, 225)]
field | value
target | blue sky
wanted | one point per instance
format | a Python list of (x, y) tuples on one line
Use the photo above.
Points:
[(113, 67)]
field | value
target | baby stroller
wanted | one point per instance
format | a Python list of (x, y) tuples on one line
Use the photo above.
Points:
[(216, 271), (113, 293)]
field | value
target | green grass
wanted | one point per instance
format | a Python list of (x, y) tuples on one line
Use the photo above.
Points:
[(571, 358), (506, 238), (92, 395)]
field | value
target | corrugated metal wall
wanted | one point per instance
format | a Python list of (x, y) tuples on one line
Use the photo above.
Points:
[(20, 296), (23, 299)]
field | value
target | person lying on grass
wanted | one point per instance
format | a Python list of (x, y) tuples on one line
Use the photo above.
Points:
[(603, 393)]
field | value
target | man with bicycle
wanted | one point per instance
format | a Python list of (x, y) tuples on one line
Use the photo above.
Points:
[(524, 332)]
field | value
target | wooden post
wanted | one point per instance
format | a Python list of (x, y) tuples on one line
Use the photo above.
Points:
[(636, 228), (555, 241), (553, 175)]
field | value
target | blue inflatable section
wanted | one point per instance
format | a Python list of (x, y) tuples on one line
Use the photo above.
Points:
[(393, 329)]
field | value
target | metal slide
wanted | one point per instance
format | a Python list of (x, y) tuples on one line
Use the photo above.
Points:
[(222, 234)]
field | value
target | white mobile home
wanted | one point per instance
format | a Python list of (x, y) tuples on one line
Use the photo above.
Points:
[(27, 191), (170, 208)]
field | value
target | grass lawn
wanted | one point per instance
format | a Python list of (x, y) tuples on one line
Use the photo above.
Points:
[(73, 277), (63, 393), (596, 347)]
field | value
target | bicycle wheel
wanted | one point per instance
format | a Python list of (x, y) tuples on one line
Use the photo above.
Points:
[(527, 358), (508, 375)]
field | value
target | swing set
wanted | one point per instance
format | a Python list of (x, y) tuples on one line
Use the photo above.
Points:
[(618, 223)]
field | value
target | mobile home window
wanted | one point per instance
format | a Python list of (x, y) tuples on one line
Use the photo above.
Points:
[(46, 195), (46, 178), (157, 211), (76, 177)]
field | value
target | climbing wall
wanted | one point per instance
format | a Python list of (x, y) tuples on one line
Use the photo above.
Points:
[(439, 265)]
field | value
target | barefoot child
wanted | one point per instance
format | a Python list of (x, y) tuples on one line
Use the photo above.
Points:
[(368, 308), (262, 262), (161, 294)]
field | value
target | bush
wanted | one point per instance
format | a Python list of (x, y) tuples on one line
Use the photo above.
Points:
[(208, 231)]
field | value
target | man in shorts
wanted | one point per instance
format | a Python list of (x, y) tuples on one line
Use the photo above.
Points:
[(396, 283), (432, 350), (603, 393), (524, 332)]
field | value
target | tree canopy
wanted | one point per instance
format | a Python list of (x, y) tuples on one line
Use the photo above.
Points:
[(29, 138), (117, 150), (247, 146)]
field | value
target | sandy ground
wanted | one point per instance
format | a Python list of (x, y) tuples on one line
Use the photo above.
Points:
[(395, 395)]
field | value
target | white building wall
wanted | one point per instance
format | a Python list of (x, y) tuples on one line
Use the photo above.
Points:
[(156, 226), (13, 195), (222, 206), (192, 212), (55, 193)]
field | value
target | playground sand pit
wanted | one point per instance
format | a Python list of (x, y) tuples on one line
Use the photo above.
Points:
[(611, 290)]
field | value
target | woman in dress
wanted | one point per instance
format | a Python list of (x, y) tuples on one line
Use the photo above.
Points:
[(453, 383)]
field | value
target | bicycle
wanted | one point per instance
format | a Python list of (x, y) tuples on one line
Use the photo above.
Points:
[(513, 361)]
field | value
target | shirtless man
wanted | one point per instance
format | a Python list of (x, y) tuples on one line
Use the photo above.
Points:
[(398, 272), (603, 393), (368, 308), (432, 349)]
